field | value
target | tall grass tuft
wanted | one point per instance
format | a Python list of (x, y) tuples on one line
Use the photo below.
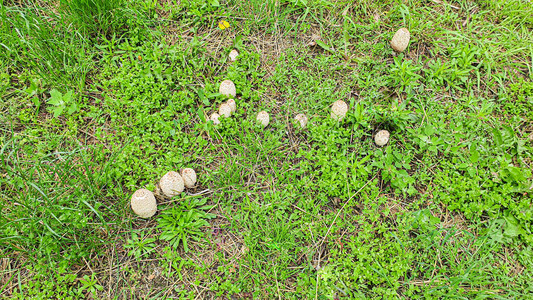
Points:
[(52, 208), (40, 40), (97, 16)]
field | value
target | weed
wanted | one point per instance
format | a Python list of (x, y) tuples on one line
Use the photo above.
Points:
[(89, 285), (60, 102), (140, 245), (184, 222), (404, 74), (42, 283)]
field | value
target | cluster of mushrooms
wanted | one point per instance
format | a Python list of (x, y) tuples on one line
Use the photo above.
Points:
[(143, 202), (226, 109), (338, 112)]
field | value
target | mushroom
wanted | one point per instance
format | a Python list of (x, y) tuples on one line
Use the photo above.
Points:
[(143, 203), (400, 40), (382, 137), (189, 177), (214, 117), (171, 184), (263, 118), (302, 119), (314, 38), (233, 55), (232, 104), (227, 88), (339, 110), (224, 110)]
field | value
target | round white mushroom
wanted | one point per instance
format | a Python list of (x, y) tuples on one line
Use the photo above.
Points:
[(227, 88), (171, 184), (232, 104), (339, 110), (143, 203), (214, 117), (224, 110), (263, 118), (302, 120), (189, 177), (382, 137), (233, 55), (400, 40)]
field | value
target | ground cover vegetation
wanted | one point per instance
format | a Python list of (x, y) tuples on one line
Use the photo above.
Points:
[(101, 98)]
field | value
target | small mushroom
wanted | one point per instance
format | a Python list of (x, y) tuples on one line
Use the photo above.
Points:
[(314, 38), (227, 88), (302, 119), (143, 203), (189, 177), (233, 55), (263, 118), (400, 40), (232, 104), (339, 110), (171, 184), (382, 137), (224, 110), (214, 117)]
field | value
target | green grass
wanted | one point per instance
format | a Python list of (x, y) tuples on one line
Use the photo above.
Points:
[(96, 16), (100, 98), (33, 40)]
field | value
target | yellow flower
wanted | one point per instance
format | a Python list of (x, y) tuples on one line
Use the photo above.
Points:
[(223, 24)]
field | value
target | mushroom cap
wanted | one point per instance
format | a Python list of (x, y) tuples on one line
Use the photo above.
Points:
[(171, 184), (382, 137), (232, 105), (143, 203), (214, 117), (263, 118), (400, 40), (189, 177), (227, 87), (233, 55), (302, 119), (339, 110), (225, 110)]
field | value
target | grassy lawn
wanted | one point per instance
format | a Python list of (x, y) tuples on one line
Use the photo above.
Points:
[(100, 98)]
